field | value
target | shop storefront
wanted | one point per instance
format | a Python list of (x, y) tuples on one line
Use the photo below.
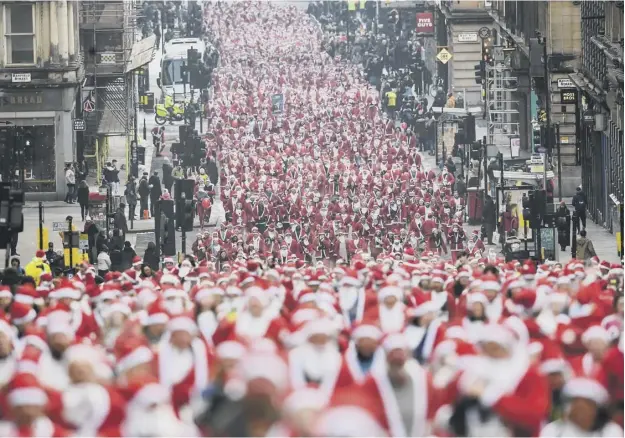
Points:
[(36, 135)]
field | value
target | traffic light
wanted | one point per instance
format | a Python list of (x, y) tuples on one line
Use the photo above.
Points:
[(487, 50), (479, 72), (188, 215), (537, 138)]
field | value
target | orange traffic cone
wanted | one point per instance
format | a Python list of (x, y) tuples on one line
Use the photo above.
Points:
[(146, 214)]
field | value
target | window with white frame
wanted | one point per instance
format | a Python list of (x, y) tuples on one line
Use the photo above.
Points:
[(19, 33)]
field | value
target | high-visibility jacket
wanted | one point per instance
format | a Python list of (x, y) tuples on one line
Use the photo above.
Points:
[(391, 98), (351, 5), (35, 268), (362, 4)]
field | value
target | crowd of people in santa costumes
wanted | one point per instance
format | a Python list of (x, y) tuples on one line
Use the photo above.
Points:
[(331, 175), (371, 349)]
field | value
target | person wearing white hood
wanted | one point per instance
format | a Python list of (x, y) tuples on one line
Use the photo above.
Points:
[(317, 362)]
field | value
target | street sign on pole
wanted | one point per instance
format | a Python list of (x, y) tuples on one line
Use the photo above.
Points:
[(444, 56), (60, 226), (498, 53), (79, 125), (541, 150)]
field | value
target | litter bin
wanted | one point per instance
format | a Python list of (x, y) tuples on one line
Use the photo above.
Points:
[(148, 102), (475, 203)]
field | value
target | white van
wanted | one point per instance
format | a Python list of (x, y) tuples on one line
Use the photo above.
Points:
[(173, 59)]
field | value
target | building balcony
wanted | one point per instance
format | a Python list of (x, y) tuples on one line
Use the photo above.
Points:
[(105, 63)]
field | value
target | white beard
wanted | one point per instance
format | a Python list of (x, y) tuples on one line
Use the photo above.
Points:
[(348, 298), (184, 361), (318, 364), (158, 422), (248, 326), (207, 322), (392, 320)]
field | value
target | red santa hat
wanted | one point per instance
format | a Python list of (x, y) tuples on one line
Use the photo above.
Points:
[(29, 360), (395, 341), (22, 313), (552, 360), (169, 279), (156, 314), (59, 322), (490, 282), (350, 419), (24, 390), (40, 254), (26, 294), (145, 391), (583, 387), (526, 302), (130, 352), (390, 291), (366, 330), (476, 297), (136, 261), (182, 323), (231, 350), (5, 292), (423, 304), (596, 332), (351, 278)]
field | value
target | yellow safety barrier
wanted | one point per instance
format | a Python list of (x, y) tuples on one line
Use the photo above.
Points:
[(46, 238)]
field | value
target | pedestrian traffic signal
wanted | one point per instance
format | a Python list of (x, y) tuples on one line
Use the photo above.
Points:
[(188, 215), (479, 72)]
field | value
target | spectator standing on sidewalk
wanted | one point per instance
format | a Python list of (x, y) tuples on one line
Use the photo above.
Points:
[(585, 248), (489, 218), (115, 177), (168, 179), (120, 221), (579, 203), (155, 191), (104, 261), (144, 194), (130, 193), (70, 180), (83, 198)]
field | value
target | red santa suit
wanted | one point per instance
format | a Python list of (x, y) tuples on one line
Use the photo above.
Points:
[(183, 372)]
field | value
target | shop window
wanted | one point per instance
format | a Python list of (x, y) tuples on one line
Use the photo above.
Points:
[(39, 162), (19, 25)]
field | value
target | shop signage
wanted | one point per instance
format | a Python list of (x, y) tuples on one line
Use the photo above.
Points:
[(467, 37), (20, 77), (60, 226), (565, 83), (568, 96), (425, 23), (588, 117), (21, 99)]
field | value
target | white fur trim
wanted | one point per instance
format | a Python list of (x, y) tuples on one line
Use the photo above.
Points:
[(595, 332), (367, 331), (137, 357), (66, 292), (28, 397), (30, 316), (305, 398), (153, 393), (170, 279), (395, 341), (25, 299), (182, 323), (584, 387), (27, 366), (231, 350), (490, 285), (156, 318), (348, 421), (553, 366), (390, 291)]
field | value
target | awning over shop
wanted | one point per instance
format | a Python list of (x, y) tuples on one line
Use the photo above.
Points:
[(142, 53)]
